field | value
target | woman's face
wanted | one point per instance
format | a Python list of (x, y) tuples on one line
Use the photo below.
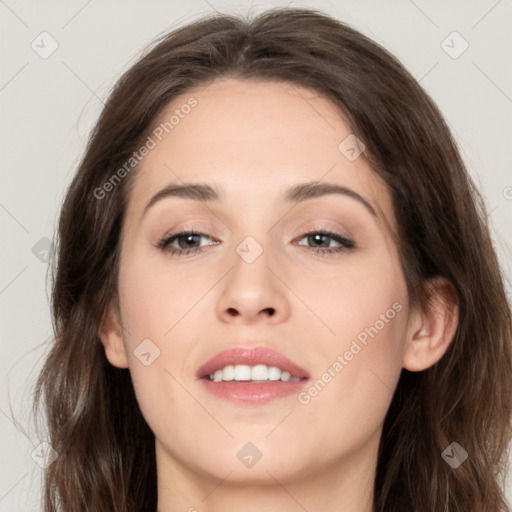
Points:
[(260, 281)]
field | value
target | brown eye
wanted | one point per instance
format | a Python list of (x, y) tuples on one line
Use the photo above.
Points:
[(320, 242), (186, 242)]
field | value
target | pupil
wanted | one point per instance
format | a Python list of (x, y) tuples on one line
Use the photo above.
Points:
[(317, 237), (190, 238)]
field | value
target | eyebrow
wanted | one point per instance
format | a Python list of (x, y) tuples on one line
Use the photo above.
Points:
[(297, 193)]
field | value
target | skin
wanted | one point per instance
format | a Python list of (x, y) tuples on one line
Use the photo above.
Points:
[(255, 139)]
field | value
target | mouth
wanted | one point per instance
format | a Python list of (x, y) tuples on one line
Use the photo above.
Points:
[(251, 375)]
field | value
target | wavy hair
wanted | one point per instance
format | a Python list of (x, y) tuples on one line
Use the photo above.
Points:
[(106, 449)]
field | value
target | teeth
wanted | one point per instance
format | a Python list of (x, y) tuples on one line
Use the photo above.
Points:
[(259, 372), (242, 372), (228, 373), (274, 373)]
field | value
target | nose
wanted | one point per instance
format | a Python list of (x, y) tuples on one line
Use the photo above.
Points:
[(254, 292)]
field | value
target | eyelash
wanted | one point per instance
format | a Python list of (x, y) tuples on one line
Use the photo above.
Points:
[(346, 244)]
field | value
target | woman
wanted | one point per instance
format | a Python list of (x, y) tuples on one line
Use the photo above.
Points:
[(342, 339)]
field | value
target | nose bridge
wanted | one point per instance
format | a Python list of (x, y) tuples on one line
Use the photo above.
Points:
[(251, 274), (253, 240)]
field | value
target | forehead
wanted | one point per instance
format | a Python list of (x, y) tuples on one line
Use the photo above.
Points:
[(253, 139)]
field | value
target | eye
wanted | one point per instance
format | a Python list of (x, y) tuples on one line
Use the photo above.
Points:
[(186, 241), (324, 238)]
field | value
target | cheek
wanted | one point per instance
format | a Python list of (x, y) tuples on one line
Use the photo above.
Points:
[(357, 297), (360, 359), (156, 297)]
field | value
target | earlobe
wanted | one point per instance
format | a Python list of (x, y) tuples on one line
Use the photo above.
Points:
[(110, 333), (433, 328)]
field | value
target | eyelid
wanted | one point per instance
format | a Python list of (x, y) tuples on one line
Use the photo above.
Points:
[(301, 231), (321, 226)]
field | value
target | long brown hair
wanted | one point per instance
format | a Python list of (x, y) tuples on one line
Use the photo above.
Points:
[(106, 450)]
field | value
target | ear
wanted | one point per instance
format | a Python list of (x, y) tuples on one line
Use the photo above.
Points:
[(110, 333), (432, 327)]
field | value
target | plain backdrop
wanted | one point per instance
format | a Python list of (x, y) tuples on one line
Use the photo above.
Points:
[(49, 102)]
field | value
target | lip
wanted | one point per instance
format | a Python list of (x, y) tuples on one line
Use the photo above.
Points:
[(251, 392), (251, 356)]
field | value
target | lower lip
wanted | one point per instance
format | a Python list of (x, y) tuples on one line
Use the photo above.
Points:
[(252, 392)]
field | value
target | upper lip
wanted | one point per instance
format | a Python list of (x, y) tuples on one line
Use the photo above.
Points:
[(251, 356)]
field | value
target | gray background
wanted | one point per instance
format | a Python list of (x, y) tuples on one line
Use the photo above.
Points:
[(49, 105)]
